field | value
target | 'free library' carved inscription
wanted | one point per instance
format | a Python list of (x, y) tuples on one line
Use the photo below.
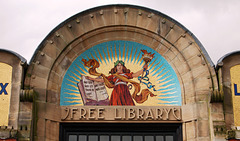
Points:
[(120, 113)]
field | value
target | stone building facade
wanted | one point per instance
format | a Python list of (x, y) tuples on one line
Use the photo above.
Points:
[(184, 96)]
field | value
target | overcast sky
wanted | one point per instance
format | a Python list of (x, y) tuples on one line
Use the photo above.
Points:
[(25, 23)]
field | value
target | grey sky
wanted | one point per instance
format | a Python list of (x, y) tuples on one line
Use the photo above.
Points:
[(25, 23)]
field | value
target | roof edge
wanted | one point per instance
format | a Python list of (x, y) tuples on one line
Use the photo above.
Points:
[(126, 5), (226, 56), (23, 60)]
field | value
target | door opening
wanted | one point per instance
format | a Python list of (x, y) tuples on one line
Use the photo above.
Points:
[(120, 132)]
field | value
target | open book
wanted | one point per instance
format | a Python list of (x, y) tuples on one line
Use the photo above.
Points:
[(93, 92)]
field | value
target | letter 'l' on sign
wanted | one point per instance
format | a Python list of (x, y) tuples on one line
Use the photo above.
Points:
[(235, 90), (3, 88)]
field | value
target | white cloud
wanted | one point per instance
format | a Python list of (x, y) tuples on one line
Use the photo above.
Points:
[(25, 23)]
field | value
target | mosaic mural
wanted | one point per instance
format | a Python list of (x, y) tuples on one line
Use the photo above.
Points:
[(120, 73)]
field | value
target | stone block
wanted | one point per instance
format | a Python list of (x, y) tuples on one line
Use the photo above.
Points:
[(15, 94), (165, 27), (188, 80), (28, 76), (121, 16), (52, 96), (78, 47), (25, 122), (38, 82), (53, 86), (180, 66), (218, 116), (39, 138), (154, 23), (86, 22), (71, 54), (189, 116), (229, 120), (44, 60), (51, 51), (40, 94), (40, 128), (183, 42), (93, 40), (49, 139), (190, 51), (188, 89), (220, 139), (201, 71), (161, 49), (48, 130), (184, 132), (53, 112), (155, 43), (61, 66), (191, 130), (41, 107), (13, 117), (203, 128), (204, 139), (142, 22), (170, 54), (190, 99), (54, 77), (54, 131), (17, 73), (25, 106), (166, 43), (109, 16), (202, 84), (40, 71), (202, 108), (145, 40), (128, 35), (97, 19), (25, 115), (203, 95), (57, 42), (195, 62), (217, 107), (132, 17), (174, 34), (89, 43), (74, 27)]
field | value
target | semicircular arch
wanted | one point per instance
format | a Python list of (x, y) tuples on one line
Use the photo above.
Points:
[(174, 42)]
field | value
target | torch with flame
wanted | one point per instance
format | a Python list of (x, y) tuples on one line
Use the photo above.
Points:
[(147, 57)]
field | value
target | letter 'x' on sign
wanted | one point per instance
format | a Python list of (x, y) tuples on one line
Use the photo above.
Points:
[(3, 88)]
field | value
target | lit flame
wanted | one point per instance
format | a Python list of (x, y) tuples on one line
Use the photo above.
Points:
[(147, 57)]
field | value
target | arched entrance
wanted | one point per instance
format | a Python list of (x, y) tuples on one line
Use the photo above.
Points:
[(182, 73)]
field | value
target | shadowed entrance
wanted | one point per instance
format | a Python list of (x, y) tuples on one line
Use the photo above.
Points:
[(120, 132)]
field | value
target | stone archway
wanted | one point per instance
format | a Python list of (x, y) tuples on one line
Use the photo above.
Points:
[(170, 39)]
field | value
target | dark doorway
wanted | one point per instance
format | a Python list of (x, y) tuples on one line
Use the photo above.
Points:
[(120, 132)]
